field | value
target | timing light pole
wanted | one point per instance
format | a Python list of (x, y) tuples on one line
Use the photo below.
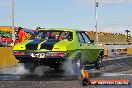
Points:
[(13, 28), (96, 18)]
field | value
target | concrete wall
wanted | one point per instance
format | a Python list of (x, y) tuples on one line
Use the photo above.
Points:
[(129, 51), (6, 57)]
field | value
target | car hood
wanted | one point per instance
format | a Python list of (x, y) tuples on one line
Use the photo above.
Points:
[(45, 45)]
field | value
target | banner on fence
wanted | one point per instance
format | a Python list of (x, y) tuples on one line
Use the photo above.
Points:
[(122, 51)]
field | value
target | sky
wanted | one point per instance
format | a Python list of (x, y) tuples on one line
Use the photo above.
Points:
[(113, 15)]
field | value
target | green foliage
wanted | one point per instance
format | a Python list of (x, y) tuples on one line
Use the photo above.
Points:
[(111, 38), (5, 34)]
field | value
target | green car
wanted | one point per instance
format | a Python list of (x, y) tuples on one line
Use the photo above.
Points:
[(55, 46)]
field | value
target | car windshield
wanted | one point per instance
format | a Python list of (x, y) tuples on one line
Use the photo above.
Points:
[(60, 35)]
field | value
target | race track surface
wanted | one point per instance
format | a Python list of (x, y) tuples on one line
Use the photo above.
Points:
[(45, 77)]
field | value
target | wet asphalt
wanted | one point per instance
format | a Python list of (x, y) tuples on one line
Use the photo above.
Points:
[(45, 77)]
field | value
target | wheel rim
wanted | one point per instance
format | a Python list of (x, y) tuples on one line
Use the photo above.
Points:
[(78, 64)]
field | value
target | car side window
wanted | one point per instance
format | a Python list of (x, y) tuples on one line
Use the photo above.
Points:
[(87, 40), (80, 38)]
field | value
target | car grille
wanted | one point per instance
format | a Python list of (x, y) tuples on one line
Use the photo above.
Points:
[(31, 46), (47, 47)]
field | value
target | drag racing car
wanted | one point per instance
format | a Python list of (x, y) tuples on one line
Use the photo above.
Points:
[(55, 46)]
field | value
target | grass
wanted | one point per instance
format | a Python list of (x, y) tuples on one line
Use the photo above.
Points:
[(110, 38)]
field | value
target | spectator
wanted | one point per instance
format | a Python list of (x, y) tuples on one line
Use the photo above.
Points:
[(21, 34)]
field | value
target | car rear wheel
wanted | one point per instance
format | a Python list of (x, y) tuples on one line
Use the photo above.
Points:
[(30, 66), (71, 67), (76, 65), (98, 62)]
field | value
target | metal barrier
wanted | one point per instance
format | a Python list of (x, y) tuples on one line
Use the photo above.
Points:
[(116, 49), (117, 52)]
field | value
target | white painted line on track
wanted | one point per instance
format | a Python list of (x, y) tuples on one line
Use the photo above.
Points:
[(115, 74)]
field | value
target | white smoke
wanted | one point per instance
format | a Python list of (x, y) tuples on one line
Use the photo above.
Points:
[(21, 70), (40, 70), (67, 67), (15, 70)]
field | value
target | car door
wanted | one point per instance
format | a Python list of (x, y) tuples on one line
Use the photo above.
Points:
[(91, 49), (83, 48), (88, 49), (81, 41)]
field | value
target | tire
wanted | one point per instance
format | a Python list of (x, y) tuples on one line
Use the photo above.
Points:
[(72, 66), (98, 62), (76, 65), (30, 66)]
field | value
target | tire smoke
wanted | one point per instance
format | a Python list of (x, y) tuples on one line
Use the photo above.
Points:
[(67, 67), (19, 70), (39, 71)]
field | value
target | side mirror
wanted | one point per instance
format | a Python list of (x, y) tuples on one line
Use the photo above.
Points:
[(92, 41)]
